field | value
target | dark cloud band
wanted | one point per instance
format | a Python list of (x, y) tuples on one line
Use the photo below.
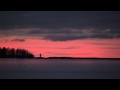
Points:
[(62, 25), (18, 40)]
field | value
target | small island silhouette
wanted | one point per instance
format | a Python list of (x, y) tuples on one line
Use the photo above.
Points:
[(23, 53)]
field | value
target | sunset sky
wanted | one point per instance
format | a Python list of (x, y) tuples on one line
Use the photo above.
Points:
[(62, 33)]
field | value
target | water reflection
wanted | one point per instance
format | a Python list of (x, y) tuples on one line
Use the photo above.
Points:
[(35, 68)]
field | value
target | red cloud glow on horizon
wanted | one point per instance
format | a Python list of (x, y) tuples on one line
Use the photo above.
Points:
[(81, 48)]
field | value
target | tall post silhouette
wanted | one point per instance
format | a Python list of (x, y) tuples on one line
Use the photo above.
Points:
[(40, 55)]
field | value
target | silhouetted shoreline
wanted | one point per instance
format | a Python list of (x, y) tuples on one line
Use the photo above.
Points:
[(70, 58), (81, 58)]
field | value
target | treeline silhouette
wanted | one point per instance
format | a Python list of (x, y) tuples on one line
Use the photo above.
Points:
[(15, 53)]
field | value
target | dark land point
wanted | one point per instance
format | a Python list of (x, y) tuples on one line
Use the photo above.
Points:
[(82, 58)]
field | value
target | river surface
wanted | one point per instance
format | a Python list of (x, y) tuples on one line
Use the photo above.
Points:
[(59, 69)]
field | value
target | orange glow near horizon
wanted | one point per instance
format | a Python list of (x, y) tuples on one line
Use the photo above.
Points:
[(75, 48)]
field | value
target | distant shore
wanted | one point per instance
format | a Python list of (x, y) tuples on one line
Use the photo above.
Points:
[(95, 58), (81, 58)]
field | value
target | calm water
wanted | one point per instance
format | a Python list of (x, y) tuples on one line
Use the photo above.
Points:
[(59, 69)]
